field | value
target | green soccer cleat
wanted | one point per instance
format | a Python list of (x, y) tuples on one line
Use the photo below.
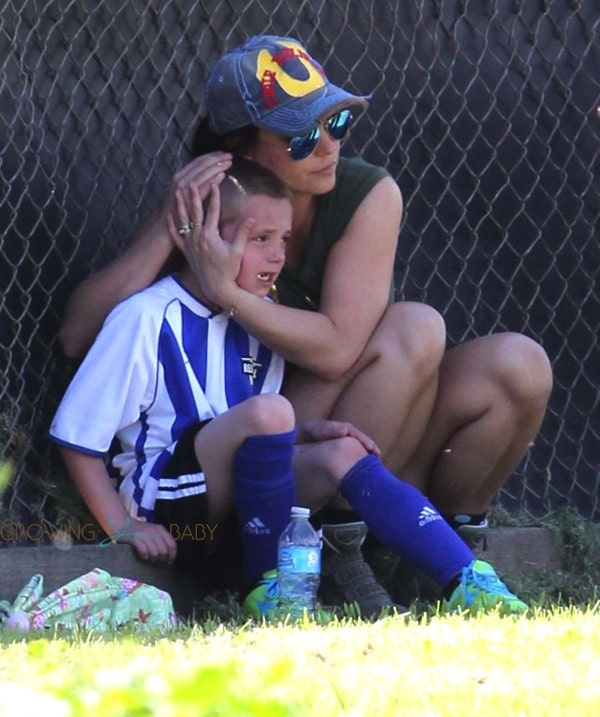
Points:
[(261, 603), (481, 590)]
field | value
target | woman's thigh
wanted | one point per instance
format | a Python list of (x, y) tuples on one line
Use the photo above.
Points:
[(505, 366), (406, 346), (503, 378)]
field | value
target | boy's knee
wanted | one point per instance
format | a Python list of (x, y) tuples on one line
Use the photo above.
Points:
[(270, 413)]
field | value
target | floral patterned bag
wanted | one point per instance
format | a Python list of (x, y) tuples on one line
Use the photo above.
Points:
[(94, 601)]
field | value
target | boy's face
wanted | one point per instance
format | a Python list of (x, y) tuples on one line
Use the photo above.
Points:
[(264, 255)]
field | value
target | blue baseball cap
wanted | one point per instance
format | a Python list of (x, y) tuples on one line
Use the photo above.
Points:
[(273, 83)]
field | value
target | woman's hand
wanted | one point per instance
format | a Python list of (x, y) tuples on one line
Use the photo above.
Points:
[(319, 429), (202, 172), (214, 262)]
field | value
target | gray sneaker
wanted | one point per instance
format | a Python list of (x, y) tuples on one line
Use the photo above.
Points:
[(346, 578), (475, 536)]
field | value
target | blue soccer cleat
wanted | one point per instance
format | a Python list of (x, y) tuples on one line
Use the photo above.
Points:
[(481, 590), (261, 602)]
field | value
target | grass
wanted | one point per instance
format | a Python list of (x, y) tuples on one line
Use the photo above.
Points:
[(544, 664), (427, 664)]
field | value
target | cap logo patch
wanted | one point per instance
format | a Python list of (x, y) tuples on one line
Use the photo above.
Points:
[(270, 77)]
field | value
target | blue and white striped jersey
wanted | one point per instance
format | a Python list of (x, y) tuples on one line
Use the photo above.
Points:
[(162, 362)]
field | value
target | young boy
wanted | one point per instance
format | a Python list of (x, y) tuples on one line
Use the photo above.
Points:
[(176, 380), (192, 399)]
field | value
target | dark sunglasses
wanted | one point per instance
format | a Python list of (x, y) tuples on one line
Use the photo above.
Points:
[(337, 127)]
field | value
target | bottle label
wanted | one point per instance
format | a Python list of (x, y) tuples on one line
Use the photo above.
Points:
[(299, 559)]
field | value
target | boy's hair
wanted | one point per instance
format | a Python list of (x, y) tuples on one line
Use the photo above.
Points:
[(245, 179)]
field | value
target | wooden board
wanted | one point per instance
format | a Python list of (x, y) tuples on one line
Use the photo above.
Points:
[(510, 550)]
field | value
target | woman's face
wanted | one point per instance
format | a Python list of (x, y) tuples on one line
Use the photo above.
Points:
[(313, 175)]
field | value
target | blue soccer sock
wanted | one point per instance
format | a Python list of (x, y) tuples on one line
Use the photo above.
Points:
[(264, 492), (403, 520)]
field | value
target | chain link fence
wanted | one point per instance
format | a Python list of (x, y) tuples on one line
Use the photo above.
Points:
[(484, 112)]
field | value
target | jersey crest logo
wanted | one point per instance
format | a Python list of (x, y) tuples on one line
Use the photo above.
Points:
[(250, 368)]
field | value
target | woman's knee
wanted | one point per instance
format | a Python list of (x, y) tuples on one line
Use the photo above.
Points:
[(417, 333), (269, 413), (524, 369)]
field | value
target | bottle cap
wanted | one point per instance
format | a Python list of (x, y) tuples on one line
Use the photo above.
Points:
[(300, 512)]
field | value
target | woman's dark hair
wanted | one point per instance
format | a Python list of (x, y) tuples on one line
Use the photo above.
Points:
[(240, 141)]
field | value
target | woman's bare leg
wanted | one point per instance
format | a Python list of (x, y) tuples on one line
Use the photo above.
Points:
[(457, 433), (391, 391), (491, 400)]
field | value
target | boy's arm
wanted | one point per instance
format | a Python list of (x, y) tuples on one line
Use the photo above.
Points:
[(151, 541)]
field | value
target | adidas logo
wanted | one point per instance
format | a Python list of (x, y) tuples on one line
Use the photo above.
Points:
[(428, 515), (256, 527)]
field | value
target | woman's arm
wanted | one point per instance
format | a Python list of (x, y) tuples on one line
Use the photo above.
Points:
[(151, 541), (139, 265), (91, 302), (355, 288), (318, 430)]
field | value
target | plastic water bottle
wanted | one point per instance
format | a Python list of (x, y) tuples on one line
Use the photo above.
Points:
[(298, 565)]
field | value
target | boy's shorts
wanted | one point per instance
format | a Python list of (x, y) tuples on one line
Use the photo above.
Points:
[(210, 552)]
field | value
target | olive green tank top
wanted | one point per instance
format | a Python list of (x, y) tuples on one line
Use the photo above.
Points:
[(301, 288)]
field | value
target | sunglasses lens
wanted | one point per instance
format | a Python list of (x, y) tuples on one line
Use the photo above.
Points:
[(337, 127), (339, 124), (301, 147)]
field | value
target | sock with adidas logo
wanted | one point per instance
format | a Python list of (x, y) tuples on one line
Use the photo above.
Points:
[(264, 492), (403, 520)]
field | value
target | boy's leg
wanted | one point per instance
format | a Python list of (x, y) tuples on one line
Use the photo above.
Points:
[(398, 514), (260, 483), (346, 577), (264, 493), (218, 461), (405, 521), (400, 517)]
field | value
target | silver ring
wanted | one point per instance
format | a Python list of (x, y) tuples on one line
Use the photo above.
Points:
[(184, 230)]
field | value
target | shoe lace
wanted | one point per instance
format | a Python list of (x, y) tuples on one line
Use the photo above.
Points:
[(487, 582), (271, 588), (356, 578)]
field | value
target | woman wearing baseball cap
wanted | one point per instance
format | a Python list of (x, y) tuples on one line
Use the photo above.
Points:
[(455, 422)]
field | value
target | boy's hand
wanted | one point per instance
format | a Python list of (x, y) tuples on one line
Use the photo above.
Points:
[(151, 541), (324, 430)]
